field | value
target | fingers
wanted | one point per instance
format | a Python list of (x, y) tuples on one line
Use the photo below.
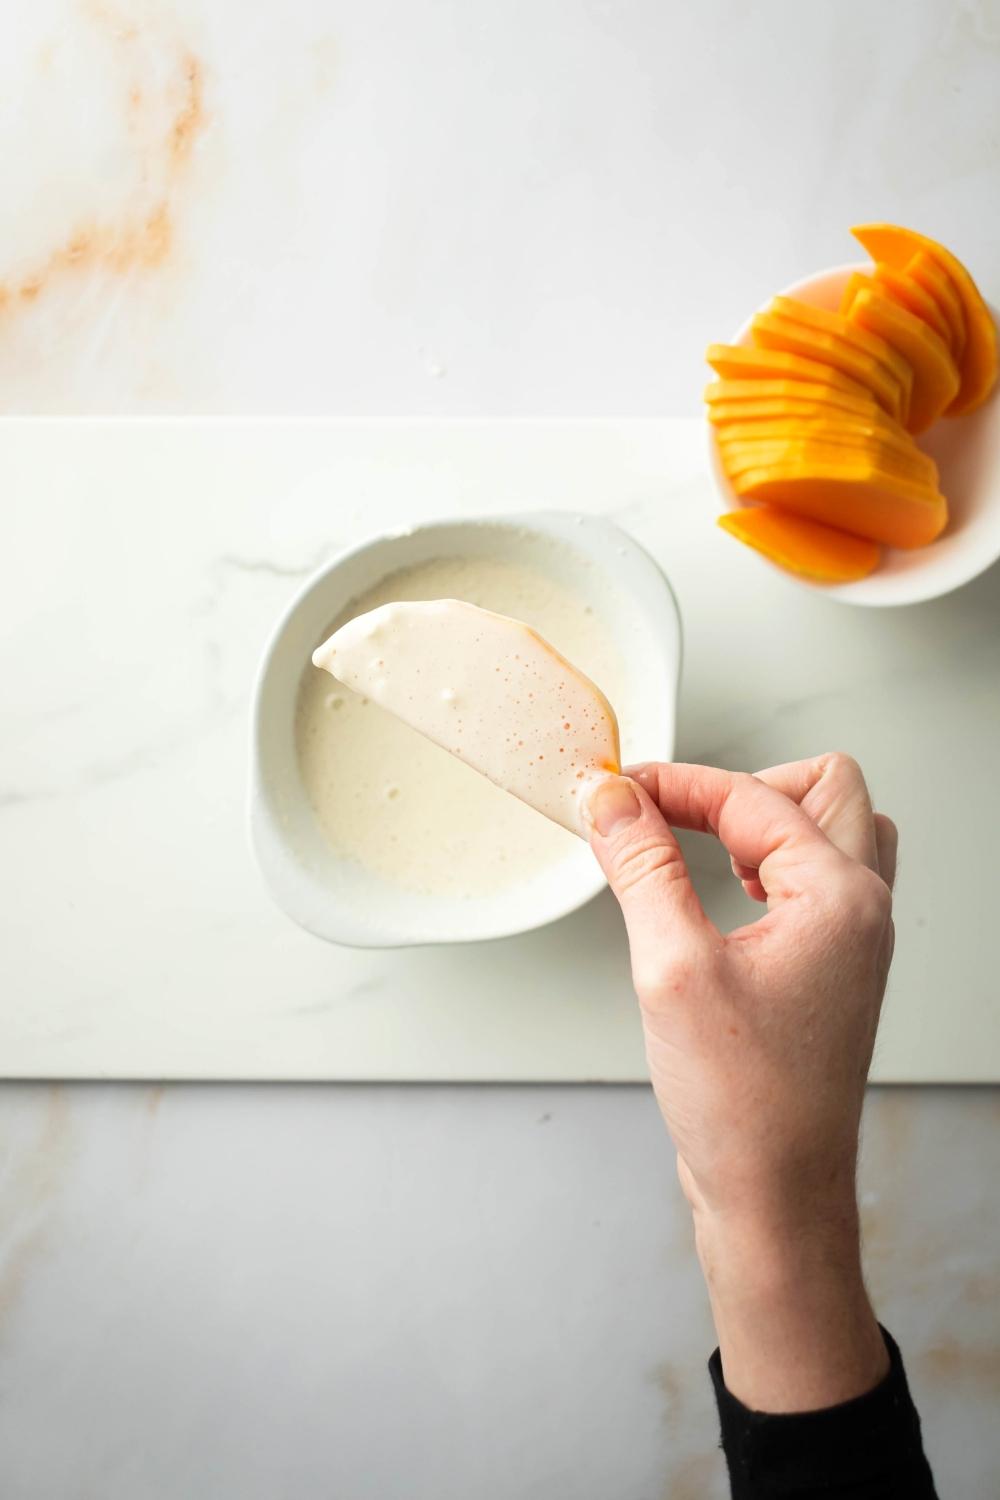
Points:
[(749, 878), (831, 790), (887, 843), (645, 868), (766, 833)]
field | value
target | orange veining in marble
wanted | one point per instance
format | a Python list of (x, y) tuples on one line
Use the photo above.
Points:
[(142, 238)]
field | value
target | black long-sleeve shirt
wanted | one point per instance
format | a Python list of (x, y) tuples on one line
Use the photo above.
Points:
[(866, 1449)]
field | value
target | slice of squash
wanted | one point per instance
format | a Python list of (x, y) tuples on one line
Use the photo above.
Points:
[(781, 460), (489, 675), (804, 547), (824, 420), (854, 432), (782, 335), (858, 497), (978, 362), (738, 458), (935, 376), (758, 458), (795, 390), (842, 328), (916, 299), (855, 282), (934, 280), (721, 413), (740, 362)]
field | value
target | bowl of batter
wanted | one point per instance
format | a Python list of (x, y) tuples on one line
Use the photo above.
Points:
[(368, 834)]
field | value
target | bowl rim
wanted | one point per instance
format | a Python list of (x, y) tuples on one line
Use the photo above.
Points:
[(856, 594), (267, 844)]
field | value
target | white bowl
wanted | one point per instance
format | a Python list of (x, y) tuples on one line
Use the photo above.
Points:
[(334, 896), (967, 452)]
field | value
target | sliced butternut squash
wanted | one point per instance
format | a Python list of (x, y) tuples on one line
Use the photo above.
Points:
[(738, 458), (978, 363), (792, 411), (855, 433), (935, 376), (916, 299), (796, 390), (720, 413), (857, 496), (819, 424), (801, 546), (825, 419), (781, 460), (737, 362), (783, 335), (758, 457), (842, 328), (855, 282), (933, 279)]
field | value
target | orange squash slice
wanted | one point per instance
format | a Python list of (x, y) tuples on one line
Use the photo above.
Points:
[(739, 458), (842, 328), (721, 413), (801, 546), (915, 298), (934, 280), (935, 376), (855, 495), (856, 433), (978, 362), (737, 362), (825, 419), (793, 390), (855, 283), (782, 334)]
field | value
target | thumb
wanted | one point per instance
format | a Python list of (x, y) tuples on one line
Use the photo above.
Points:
[(638, 853)]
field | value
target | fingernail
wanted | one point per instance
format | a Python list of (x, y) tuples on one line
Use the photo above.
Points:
[(613, 805)]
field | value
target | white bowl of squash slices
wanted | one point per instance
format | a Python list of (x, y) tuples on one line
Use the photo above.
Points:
[(855, 427)]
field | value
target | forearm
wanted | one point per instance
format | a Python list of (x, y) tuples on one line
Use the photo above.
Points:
[(812, 1393), (796, 1329)]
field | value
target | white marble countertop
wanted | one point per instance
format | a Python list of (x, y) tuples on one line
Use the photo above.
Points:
[(445, 208), (441, 209)]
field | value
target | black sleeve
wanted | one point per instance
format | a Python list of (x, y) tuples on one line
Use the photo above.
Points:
[(866, 1449)]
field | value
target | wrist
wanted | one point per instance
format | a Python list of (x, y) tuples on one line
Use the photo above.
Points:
[(796, 1328), (766, 1235)]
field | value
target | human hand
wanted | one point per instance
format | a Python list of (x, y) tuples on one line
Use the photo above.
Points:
[(759, 1044)]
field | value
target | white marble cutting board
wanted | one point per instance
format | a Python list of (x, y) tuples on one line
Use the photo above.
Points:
[(143, 563)]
